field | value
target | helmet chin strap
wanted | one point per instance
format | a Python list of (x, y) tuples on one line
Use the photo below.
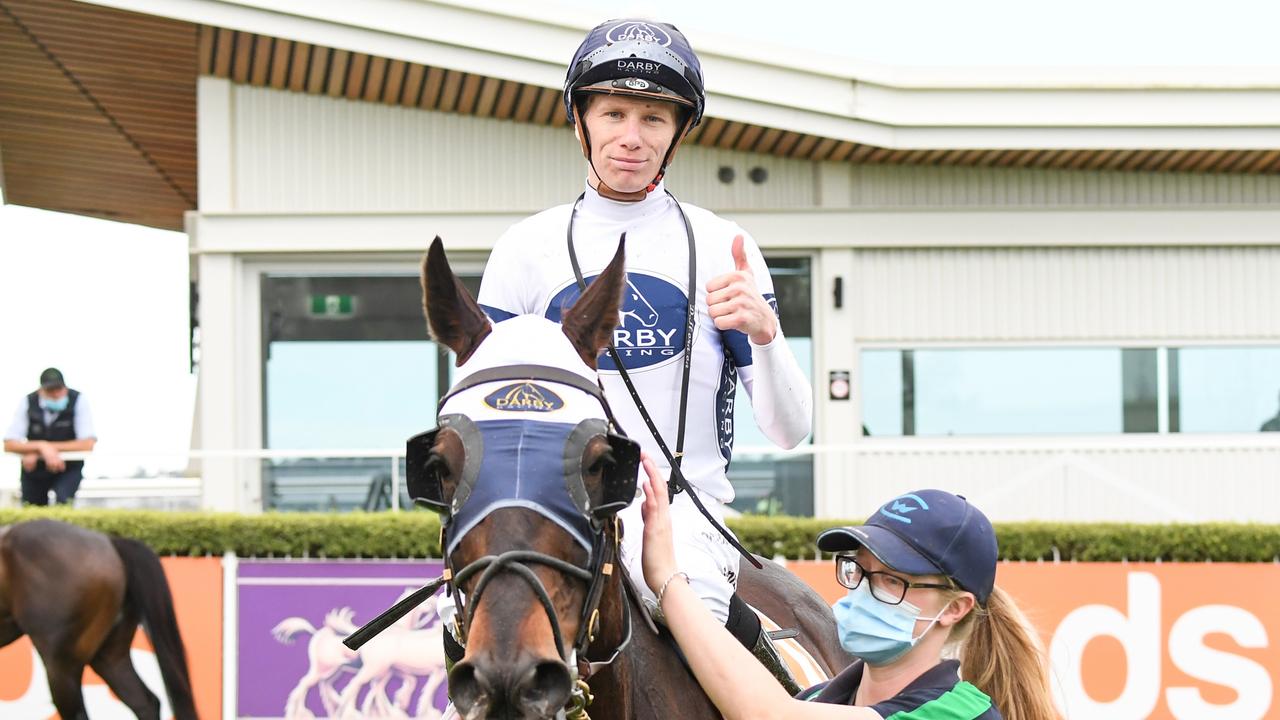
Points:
[(601, 186)]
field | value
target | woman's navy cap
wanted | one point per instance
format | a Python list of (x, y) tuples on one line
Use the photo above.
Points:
[(927, 532)]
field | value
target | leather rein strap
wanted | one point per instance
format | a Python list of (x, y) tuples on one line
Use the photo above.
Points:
[(677, 482)]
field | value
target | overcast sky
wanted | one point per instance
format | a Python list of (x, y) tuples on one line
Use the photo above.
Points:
[(107, 302)]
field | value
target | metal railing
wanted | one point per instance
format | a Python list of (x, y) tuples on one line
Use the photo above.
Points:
[(1149, 478)]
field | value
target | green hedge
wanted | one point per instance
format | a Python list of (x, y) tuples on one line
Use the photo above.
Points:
[(417, 534)]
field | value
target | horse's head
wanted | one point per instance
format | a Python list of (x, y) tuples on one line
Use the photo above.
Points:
[(527, 472)]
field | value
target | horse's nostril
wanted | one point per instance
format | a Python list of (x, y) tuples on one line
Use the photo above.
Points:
[(544, 689), (469, 690)]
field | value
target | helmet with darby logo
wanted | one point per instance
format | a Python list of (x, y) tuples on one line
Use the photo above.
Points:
[(638, 58)]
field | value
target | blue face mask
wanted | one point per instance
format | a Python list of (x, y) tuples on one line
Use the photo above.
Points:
[(877, 632), (55, 405)]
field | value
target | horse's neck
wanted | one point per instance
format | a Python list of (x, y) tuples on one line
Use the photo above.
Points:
[(647, 680)]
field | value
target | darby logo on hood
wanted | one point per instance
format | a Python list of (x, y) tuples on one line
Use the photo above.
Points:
[(524, 397)]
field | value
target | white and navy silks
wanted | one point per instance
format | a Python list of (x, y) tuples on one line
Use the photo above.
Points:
[(529, 272)]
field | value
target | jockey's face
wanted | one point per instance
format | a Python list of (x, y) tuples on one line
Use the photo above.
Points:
[(629, 138)]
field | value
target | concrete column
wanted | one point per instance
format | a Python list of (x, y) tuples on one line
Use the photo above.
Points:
[(216, 404), (837, 422)]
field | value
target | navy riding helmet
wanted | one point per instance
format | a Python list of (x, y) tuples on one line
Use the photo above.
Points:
[(642, 59)]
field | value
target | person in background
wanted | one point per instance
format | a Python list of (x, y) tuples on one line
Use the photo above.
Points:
[(50, 421), (921, 580)]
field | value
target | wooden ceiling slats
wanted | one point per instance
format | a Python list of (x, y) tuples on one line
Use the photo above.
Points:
[(357, 71), (298, 63), (414, 79), (804, 148), (711, 133), (729, 138), (318, 70), (843, 151), (224, 53), (449, 91), (506, 103), (374, 79), (337, 81), (394, 83), (243, 60), (526, 100), (488, 98), (262, 57), (548, 103), (824, 148), (749, 137), (470, 93), (60, 150), (432, 88)]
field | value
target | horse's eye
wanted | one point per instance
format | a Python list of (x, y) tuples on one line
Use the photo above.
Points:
[(603, 461), (436, 463)]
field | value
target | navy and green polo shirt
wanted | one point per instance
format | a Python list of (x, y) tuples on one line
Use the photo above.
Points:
[(938, 694)]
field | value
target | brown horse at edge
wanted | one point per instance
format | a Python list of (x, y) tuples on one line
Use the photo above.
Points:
[(80, 595)]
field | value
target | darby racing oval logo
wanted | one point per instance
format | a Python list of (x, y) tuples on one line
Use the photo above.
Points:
[(650, 330), (523, 397), (641, 31)]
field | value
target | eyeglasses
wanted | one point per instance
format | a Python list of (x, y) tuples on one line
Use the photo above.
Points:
[(885, 587)]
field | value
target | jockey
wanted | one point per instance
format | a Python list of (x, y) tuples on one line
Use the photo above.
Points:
[(633, 91)]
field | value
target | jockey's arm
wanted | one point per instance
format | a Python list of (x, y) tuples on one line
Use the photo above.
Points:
[(781, 395)]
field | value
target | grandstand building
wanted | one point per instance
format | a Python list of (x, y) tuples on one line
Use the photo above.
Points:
[(1054, 291)]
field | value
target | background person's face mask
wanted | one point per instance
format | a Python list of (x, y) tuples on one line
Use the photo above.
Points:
[(55, 405), (877, 632)]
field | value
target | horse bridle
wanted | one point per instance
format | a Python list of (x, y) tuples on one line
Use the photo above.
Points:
[(423, 478)]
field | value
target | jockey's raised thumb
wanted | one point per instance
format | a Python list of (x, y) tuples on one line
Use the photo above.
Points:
[(740, 255)]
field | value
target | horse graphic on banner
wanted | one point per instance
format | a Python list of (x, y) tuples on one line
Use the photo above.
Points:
[(410, 651)]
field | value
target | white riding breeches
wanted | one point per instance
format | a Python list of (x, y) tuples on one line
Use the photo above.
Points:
[(701, 552)]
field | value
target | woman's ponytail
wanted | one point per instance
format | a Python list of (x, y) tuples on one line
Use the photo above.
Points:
[(1004, 658)]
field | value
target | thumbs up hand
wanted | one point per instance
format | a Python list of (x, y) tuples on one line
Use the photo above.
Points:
[(735, 303)]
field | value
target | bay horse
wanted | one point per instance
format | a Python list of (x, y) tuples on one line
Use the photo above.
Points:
[(80, 595), (531, 537)]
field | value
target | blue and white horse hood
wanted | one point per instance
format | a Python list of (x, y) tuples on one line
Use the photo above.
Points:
[(525, 427)]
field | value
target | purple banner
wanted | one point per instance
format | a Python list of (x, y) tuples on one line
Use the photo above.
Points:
[(293, 616)]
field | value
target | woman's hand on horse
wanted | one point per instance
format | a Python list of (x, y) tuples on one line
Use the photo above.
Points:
[(658, 556), (735, 303)]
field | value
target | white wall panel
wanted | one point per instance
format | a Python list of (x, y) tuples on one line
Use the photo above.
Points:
[(1150, 479), (1066, 294), (876, 186), (302, 153)]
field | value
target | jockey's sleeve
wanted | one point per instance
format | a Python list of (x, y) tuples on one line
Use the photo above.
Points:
[(781, 396), (504, 287)]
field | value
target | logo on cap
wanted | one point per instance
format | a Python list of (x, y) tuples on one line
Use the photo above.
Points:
[(900, 507), (637, 84), (524, 397), (641, 31)]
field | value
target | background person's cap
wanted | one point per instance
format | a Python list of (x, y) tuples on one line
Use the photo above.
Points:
[(51, 379), (927, 532)]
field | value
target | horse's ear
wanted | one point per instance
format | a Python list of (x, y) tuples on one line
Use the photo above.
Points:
[(454, 319), (590, 322)]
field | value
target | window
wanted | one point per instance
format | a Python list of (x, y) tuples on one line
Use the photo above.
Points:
[(1008, 391), (1224, 389)]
